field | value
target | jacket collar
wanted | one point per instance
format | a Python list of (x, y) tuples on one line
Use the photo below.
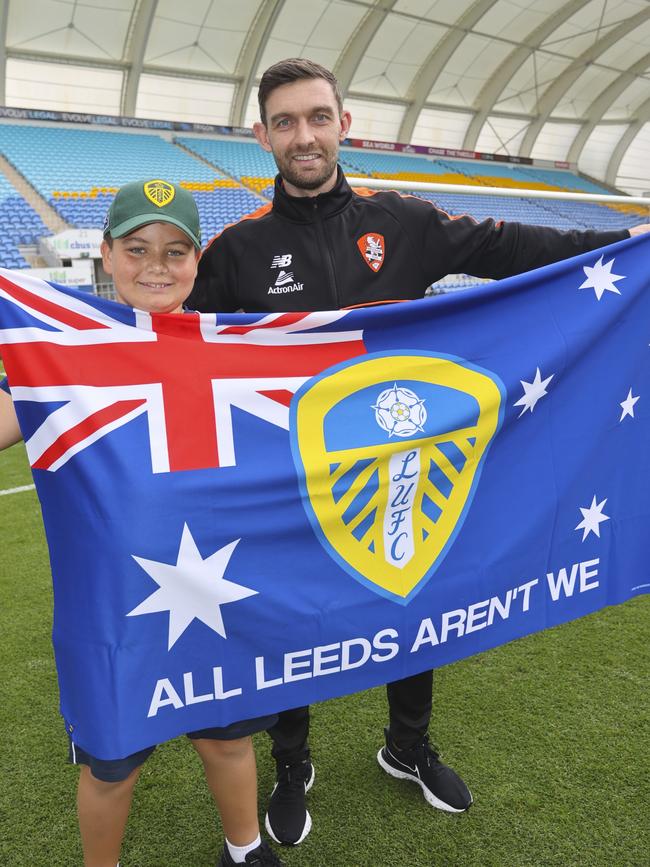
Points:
[(307, 209)]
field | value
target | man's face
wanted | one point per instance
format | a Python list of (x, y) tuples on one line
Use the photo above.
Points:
[(153, 268), (303, 131)]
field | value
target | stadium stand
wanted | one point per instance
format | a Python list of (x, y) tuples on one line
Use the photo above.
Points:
[(77, 172), (380, 164), (246, 161), (19, 225), (545, 212), (484, 173)]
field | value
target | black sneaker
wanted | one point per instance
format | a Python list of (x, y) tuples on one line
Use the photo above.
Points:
[(287, 819), (440, 784), (263, 856)]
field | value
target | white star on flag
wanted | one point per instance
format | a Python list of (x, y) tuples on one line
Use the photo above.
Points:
[(193, 589), (592, 518), (628, 405), (532, 392), (601, 279)]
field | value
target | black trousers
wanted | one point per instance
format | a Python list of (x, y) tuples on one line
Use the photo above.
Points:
[(409, 713)]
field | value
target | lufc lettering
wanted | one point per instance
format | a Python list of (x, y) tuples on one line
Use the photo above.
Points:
[(385, 645), (399, 538)]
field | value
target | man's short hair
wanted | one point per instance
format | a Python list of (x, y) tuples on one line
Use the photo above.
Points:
[(290, 70)]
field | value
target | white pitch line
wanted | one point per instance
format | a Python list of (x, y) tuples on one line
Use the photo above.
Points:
[(17, 490)]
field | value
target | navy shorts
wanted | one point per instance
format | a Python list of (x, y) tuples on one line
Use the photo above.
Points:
[(116, 770)]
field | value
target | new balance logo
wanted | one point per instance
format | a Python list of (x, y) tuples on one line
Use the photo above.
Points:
[(281, 261)]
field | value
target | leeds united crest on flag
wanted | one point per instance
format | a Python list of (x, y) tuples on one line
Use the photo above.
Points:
[(389, 451)]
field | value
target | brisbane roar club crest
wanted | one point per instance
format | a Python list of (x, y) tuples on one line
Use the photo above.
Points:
[(372, 247), (389, 450)]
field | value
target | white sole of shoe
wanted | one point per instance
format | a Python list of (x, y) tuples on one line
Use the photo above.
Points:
[(429, 797), (307, 827)]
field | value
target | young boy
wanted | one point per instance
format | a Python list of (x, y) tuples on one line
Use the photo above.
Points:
[(151, 250)]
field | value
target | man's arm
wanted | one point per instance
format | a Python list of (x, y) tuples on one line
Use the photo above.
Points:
[(639, 230), (9, 430), (502, 249)]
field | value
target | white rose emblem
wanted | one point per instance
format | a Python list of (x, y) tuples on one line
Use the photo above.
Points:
[(400, 412)]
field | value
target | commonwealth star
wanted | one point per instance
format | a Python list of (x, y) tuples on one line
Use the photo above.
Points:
[(533, 391), (628, 405), (193, 589), (592, 518), (601, 279)]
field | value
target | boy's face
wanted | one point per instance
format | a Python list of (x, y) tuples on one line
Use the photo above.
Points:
[(153, 268), (303, 131)]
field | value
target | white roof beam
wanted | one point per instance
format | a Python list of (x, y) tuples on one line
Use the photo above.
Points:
[(556, 91), (146, 10), (435, 63), (4, 15), (602, 103), (353, 53), (642, 117), (501, 77), (250, 55), (153, 69)]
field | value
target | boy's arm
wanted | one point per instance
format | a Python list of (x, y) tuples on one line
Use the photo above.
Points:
[(9, 431)]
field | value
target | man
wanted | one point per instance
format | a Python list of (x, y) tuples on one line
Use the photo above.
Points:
[(320, 246)]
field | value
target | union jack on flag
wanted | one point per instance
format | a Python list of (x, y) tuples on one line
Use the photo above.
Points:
[(185, 373)]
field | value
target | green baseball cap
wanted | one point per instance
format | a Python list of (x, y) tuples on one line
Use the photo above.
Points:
[(142, 202)]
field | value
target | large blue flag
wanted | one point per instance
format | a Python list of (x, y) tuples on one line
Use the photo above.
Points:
[(252, 512)]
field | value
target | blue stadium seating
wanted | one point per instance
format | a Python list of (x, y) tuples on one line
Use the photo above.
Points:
[(379, 162), (75, 160), (562, 214), (78, 170), (240, 159), (19, 224)]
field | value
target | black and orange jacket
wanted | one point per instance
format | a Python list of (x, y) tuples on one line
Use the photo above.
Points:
[(345, 247)]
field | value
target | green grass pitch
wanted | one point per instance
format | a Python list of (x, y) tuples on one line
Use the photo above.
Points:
[(551, 732)]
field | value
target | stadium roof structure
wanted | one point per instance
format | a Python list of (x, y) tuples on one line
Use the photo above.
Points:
[(565, 80)]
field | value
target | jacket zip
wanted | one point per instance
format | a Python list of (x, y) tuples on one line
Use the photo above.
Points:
[(327, 257)]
